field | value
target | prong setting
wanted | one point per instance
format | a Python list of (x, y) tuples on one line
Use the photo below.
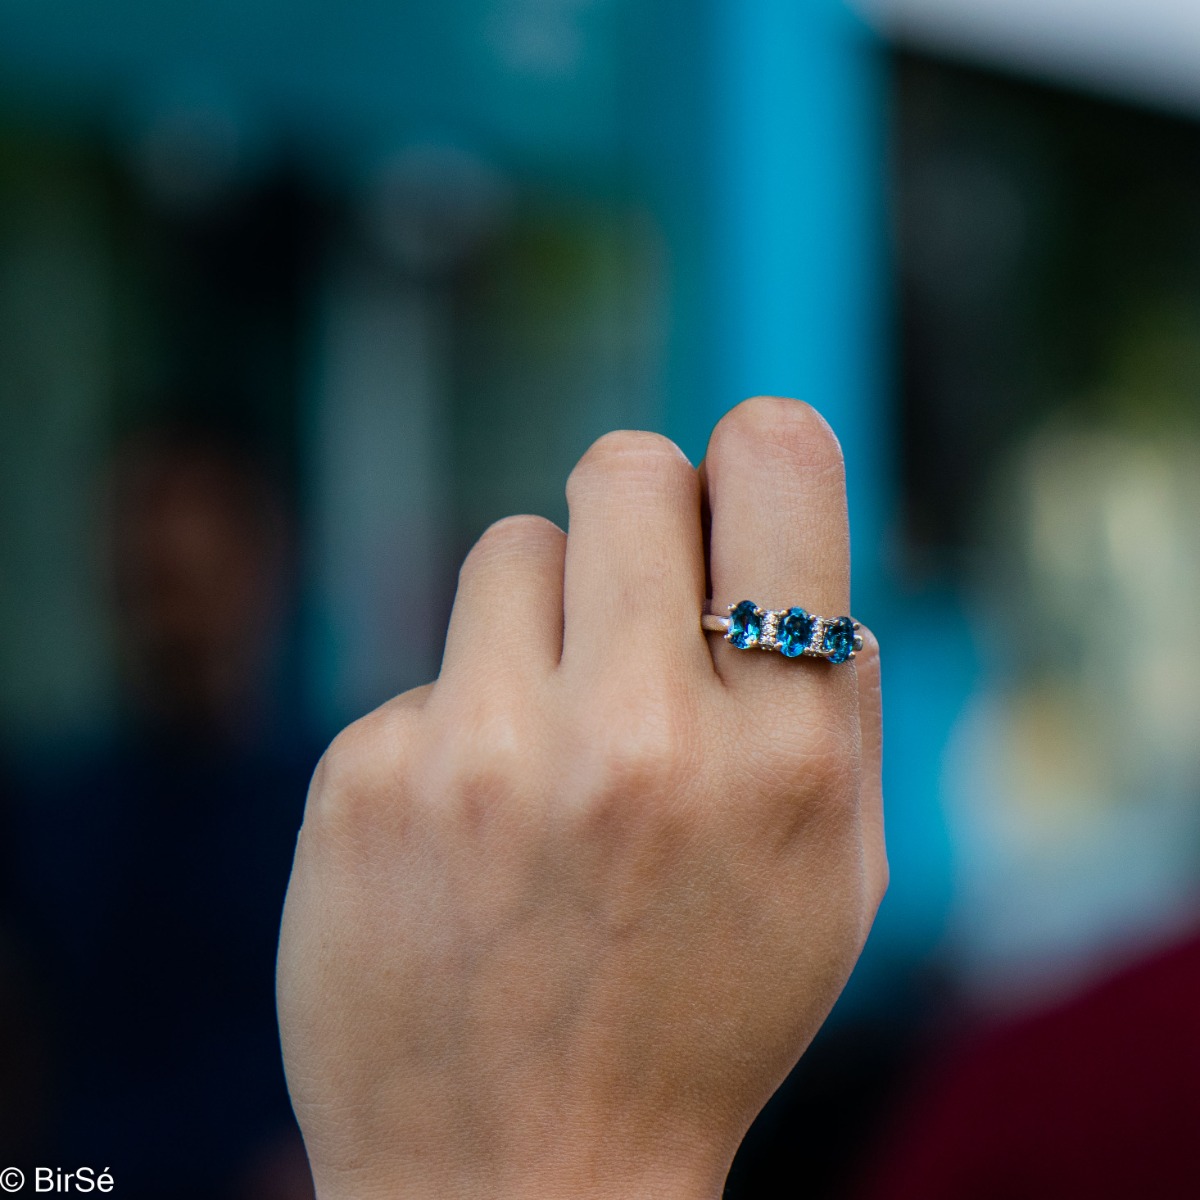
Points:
[(792, 632)]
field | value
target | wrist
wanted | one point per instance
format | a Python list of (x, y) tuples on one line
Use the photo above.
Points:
[(593, 1180)]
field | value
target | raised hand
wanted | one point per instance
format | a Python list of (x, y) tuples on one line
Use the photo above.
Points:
[(561, 921)]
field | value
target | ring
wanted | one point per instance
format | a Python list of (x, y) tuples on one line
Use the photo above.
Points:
[(794, 632)]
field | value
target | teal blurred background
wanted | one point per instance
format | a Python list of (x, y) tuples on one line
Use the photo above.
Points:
[(408, 260)]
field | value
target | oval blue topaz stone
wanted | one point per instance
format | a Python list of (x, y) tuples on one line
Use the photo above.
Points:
[(795, 631), (838, 642), (745, 625)]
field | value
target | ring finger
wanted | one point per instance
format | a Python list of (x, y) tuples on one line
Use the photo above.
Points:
[(780, 535)]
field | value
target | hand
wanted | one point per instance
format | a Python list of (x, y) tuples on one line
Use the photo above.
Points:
[(561, 922)]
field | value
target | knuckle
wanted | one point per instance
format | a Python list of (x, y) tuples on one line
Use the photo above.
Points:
[(624, 452), (358, 770), (520, 536), (821, 766), (820, 740), (641, 765), (826, 770), (344, 757), (645, 752), (490, 758), (517, 532), (790, 429), (639, 800)]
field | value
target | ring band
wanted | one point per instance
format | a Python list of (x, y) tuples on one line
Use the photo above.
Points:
[(794, 632)]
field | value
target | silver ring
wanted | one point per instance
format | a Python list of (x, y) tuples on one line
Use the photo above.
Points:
[(794, 632)]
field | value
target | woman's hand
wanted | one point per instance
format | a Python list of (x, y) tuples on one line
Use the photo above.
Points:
[(560, 922)]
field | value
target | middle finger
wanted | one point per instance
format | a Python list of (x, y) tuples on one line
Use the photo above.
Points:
[(634, 577)]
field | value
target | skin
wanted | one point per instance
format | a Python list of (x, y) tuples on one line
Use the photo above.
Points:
[(562, 921)]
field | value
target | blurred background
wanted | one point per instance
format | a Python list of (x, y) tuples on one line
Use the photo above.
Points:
[(295, 299)]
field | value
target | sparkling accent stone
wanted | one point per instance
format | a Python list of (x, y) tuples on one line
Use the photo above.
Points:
[(795, 631), (769, 635), (745, 625), (838, 641)]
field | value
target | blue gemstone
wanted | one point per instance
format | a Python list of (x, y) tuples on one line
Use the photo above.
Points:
[(839, 639), (745, 625), (795, 630)]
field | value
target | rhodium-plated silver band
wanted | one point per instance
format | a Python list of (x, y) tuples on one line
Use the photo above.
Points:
[(793, 631)]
